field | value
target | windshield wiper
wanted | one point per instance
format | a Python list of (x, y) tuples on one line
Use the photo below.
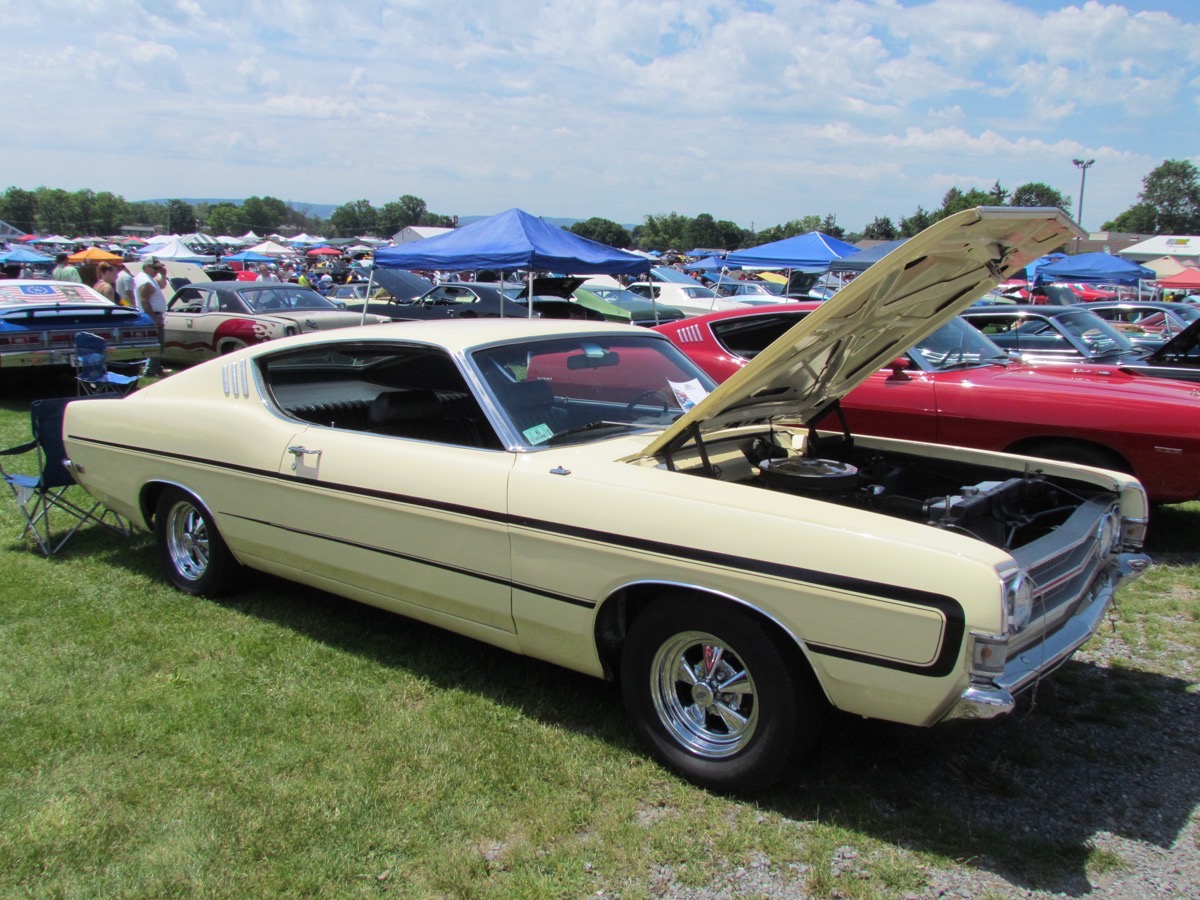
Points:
[(961, 364), (591, 426)]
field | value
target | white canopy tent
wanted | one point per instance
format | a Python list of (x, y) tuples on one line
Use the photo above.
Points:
[(1178, 246), (270, 248), (176, 250)]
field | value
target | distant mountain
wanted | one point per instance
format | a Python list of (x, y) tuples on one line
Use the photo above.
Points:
[(325, 210), (322, 210)]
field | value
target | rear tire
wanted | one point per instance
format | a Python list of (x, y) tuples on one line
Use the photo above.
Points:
[(1084, 454), (717, 696), (196, 559)]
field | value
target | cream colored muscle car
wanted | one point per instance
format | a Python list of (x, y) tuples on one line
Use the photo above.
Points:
[(583, 493)]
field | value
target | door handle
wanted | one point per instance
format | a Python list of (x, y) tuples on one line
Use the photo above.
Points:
[(300, 452)]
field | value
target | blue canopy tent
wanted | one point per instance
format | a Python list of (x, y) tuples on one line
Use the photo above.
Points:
[(709, 264), (812, 252), (864, 259), (248, 256), (1094, 267), (512, 240), (22, 255)]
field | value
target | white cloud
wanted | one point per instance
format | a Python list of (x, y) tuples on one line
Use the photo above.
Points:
[(605, 107)]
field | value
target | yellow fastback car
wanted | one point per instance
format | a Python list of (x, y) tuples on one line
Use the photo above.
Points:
[(584, 494)]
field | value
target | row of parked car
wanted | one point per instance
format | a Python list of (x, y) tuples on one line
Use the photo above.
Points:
[(686, 510), (1107, 383)]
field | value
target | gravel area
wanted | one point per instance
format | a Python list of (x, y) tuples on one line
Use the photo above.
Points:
[(1091, 789)]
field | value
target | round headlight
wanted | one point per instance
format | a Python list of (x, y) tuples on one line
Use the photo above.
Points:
[(1020, 602)]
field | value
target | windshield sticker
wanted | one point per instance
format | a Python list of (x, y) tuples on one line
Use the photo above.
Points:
[(538, 434), (688, 393)]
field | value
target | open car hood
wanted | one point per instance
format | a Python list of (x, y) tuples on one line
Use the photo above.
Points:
[(900, 300), (1177, 347)]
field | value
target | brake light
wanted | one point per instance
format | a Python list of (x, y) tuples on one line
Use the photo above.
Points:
[(25, 339)]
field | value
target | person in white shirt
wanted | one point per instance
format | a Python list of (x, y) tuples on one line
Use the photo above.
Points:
[(125, 294), (148, 287)]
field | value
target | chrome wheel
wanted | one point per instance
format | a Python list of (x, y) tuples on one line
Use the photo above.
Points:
[(704, 695), (187, 541)]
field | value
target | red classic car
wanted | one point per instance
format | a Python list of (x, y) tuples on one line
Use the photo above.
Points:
[(957, 387)]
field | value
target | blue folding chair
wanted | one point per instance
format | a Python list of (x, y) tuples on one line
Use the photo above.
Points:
[(51, 496), (91, 362)]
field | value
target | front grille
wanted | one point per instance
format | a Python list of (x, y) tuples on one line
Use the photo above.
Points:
[(1063, 566)]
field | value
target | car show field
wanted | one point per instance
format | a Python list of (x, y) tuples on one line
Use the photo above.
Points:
[(774, 602)]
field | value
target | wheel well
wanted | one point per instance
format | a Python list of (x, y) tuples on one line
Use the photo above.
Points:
[(148, 501), (622, 608), (1074, 450)]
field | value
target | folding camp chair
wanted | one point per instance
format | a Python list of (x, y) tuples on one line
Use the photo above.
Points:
[(91, 363), (52, 495)]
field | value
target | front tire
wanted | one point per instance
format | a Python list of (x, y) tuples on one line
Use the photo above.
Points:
[(196, 559), (717, 696)]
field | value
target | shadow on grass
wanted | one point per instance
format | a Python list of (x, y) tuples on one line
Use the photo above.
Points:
[(1021, 796)]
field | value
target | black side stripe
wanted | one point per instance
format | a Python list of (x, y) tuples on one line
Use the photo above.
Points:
[(421, 560), (950, 609)]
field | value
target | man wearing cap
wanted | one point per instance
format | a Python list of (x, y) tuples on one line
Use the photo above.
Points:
[(63, 271), (148, 287), (269, 274)]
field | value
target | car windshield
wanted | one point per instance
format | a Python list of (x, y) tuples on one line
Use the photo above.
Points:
[(1092, 333), (956, 345), (286, 298), (587, 387)]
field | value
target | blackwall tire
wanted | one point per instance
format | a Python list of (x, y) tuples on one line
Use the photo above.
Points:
[(717, 696), (192, 552)]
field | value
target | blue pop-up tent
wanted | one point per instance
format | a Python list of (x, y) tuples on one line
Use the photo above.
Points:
[(23, 255), (1094, 267), (864, 259), (708, 264), (512, 240), (813, 251), (249, 256)]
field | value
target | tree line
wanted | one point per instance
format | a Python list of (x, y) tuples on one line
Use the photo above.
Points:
[(1169, 203)]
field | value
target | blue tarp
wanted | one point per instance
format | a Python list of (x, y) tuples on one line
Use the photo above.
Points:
[(511, 240), (1094, 267), (813, 251)]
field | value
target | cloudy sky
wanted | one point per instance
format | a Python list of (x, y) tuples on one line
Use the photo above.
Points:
[(753, 111)]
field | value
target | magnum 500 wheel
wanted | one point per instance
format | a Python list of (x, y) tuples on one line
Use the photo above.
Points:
[(192, 552), (717, 696)]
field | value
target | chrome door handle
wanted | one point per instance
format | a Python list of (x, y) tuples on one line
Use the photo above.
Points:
[(300, 452)]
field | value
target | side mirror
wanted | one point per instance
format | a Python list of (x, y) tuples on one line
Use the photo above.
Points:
[(899, 365)]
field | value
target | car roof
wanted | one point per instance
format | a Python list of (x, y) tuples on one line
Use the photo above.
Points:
[(459, 335)]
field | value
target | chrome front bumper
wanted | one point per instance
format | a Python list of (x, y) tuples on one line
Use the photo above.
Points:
[(997, 696)]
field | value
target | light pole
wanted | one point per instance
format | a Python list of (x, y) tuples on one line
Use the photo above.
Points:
[(1083, 165)]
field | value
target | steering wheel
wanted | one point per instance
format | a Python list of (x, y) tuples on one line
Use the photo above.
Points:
[(646, 395)]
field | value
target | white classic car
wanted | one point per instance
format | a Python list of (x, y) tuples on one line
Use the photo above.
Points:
[(210, 319), (583, 493)]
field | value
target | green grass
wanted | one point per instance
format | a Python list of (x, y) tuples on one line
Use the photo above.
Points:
[(287, 742)]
